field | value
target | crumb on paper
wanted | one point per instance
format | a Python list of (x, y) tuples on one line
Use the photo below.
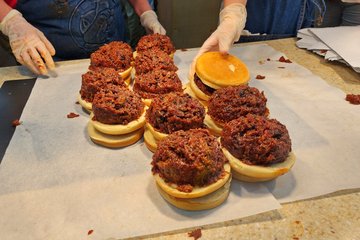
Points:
[(72, 115), (353, 98), (284, 60), (77, 102), (16, 122), (183, 49), (261, 62), (297, 221), (268, 59), (260, 77), (282, 67), (196, 234), (90, 232), (323, 51)]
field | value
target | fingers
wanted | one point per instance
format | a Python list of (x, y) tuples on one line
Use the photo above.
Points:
[(37, 60), (47, 43), (46, 56)]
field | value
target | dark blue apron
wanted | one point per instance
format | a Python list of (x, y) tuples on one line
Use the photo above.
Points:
[(280, 18), (76, 28)]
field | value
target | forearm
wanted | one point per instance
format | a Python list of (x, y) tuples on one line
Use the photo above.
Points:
[(140, 6), (4, 9), (228, 2)]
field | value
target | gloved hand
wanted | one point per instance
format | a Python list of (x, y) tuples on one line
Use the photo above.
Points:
[(232, 22), (150, 22), (29, 45)]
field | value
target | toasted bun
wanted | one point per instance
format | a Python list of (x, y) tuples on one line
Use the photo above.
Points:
[(221, 70), (157, 135), (119, 129), (112, 141), (215, 128), (198, 93), (197, 191), (147, 101), (253, 173), (149, 140), (187, 89), (209, 201), (125, 74), (86, 105), (127, 80)]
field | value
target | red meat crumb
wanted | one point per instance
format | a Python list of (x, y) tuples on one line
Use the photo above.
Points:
[(15, 123), (183, 49), (77, 102), (353, 98), (282, 59), (260, 77), (268, 59), (72, 115), (281, 67), (90, 232), (196, 234)]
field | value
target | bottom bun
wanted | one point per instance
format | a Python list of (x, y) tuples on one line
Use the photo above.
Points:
[(87, 106), (209, 201), (187, 89), (199, 94), (254, 173), (150, 140), (113, 141), (214, 127)]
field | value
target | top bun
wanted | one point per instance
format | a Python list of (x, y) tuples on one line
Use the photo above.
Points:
[(219, 70)]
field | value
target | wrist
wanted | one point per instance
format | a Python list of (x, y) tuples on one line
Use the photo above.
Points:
[(11, 14)]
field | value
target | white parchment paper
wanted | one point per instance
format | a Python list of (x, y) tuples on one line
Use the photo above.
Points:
[(56, 184)]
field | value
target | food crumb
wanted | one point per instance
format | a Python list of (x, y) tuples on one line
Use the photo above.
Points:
[(90, 232), (72, 115), (297, 221), (196, 234), (183, 49), (332, 231), (268, 59), (16, 123), (260, 77), (283, 59), (281, 67), (295, 238), (261, 62), (353, 98), (77, 102)]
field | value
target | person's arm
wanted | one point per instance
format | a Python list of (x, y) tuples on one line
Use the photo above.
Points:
[(4, 9), (148, 17), (29, 45)]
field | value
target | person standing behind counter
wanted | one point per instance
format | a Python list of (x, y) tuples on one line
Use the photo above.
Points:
[(39, 30), (272, 19)]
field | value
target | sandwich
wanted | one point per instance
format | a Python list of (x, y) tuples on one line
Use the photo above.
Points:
[(190, 170), (118, 117), (214, 70), (258, 148)]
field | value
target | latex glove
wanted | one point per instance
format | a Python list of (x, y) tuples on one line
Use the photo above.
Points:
[(29, 45), (232, 22), (150, 22)]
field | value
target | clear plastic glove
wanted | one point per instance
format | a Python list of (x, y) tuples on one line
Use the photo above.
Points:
[(232, 22), (150, 22), (29, 45)]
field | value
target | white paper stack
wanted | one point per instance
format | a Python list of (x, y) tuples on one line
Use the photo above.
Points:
[(334, 43)]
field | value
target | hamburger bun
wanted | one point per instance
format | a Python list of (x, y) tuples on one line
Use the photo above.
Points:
[(254, 173), (119, 129), (126, 75), (209, 201), (216, 70), (87, 106), (149, 140), (113, 141), (214, 127)]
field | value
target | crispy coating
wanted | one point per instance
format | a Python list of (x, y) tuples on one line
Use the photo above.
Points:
[(230, 103), (117, 55), (189, 158), (94, 81), (175, 111), (117, 105), (256, 140), (155, 41), (156, 83)]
